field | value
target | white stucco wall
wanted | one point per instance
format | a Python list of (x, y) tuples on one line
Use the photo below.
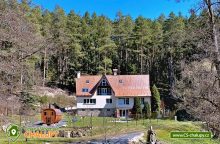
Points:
[(131, 102), (125, 106), (100, 102)]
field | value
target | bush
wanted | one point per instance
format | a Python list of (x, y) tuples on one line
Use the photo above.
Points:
[(155, 99), (154, 115), (137, 107), (146, 110)]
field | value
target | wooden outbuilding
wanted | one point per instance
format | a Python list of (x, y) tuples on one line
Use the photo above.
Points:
[(51, 116)]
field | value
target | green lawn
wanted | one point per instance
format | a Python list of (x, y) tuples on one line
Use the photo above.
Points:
[(108, 126)]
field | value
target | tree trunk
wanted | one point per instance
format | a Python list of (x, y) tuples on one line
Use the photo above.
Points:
[(171, 75), (216, 59), (142, 55), (45, 57)]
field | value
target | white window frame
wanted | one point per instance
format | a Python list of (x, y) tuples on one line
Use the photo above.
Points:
[(142, 101), (104, 82), (109, 101), (85, 89), (123, 101), (89, 101)]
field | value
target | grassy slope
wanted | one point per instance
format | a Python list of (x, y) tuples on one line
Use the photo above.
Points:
[(162, 128)]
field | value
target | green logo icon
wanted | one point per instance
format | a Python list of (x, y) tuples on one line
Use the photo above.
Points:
[(13, 132)]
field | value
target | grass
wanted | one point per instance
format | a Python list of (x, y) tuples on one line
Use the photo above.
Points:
[(102, 126)]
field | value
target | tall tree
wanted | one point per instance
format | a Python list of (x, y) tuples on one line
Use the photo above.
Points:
[(123, 29), (199, 85), (142, 37), (137, 107), (58, 63), (155, 99), (106, 46), (74, 54), (19, 42), (146, 110)]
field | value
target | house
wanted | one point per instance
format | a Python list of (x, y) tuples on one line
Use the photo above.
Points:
[(110, 95)]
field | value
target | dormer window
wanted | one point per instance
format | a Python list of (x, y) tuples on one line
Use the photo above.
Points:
[(104, 82), (85, 90), (120, 81), (87, 81)]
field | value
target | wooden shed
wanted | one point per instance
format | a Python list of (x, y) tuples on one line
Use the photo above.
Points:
[(51, 116)]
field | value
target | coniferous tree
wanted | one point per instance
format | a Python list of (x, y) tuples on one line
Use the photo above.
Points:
[(106, 46), (155, 99), (137, 107), (58, 62), (146, 111)]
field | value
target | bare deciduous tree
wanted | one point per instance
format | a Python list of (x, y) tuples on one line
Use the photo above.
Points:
[(199, 86), (19, 44)]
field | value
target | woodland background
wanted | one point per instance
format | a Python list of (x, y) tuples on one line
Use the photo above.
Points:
[(46, 48)]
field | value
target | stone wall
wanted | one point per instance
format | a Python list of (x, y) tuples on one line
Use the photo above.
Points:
[(96, 112)]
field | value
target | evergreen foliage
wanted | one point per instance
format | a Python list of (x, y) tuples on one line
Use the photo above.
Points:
[(96, 44), (146, 111), (155, 99), (137, 111)]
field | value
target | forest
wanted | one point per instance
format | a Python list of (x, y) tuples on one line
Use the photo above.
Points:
[(47, 48)]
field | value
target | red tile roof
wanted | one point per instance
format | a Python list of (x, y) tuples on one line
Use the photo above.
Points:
[(81, 83), (122, 85)]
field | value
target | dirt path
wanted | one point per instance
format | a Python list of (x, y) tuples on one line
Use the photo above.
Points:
[(121, 139)]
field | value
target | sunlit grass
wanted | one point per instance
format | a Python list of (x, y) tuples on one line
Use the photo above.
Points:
[(107, 127)]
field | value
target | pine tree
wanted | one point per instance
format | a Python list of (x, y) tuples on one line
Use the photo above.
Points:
[(106, 46), (142, 37), (74, 54), (123, 29), (58, 62), (137, 107), (146, 110), (155, 99)]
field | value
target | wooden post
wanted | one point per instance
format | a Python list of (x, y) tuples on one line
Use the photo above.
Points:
[(136, 119), (91, 124), (151, 136), (127, 121)]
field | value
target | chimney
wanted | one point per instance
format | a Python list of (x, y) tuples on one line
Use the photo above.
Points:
[(115, 71), (78, 74)]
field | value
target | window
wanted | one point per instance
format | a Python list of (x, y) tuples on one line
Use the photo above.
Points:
[(92, 101), (120, 81), (127, 101), (108, 100), (45, 113), (142, 100), (89, 101), (52, 113), (108, 110), (87, 81), (83, 109), (104, 91), (123, 101), (104, 83), (85, 90)]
